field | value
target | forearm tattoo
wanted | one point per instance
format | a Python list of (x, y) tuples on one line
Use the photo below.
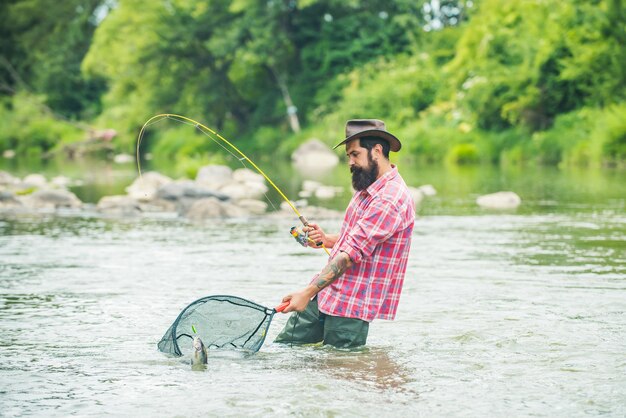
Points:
[(333, 270)]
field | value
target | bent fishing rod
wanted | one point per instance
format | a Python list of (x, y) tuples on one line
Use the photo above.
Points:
[(302, 239)]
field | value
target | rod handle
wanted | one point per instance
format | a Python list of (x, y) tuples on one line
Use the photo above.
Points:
[(281, 307), (305, 222)]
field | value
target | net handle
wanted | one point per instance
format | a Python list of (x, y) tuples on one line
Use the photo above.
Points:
[(281, 307)]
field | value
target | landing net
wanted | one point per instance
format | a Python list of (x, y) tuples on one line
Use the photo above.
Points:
[(222, 322)]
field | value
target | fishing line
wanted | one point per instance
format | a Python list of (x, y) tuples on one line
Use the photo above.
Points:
[(233, 151)]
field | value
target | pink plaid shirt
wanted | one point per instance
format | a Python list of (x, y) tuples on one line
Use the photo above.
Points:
[(376, 234)]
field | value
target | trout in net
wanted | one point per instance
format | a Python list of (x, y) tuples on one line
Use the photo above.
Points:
[(220, 322)]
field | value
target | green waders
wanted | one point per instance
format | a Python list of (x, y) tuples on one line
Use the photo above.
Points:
[(312, 326)]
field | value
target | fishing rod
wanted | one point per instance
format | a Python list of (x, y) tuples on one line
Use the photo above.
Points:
[(302, 239)]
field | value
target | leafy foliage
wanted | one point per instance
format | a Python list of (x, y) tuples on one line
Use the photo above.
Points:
[(29, 129), (43, 50), (496, 81)]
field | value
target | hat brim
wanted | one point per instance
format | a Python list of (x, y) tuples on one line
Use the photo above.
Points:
[(394, 143)]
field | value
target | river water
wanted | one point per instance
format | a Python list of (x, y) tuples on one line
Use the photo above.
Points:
[(518, 313)]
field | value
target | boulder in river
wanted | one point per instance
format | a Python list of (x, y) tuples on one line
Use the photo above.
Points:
[(7, 179), (61, 182), (214, 177), (327, 192), (123, 159), (119, 205), (187, 189), (416, 194), (319, 190), (245, 175), (313, 157), (428, 190), (310, 212), (211, 207), (499, 200), (51, 199), (255, 207), (144, 188), (8, 200), (35, 180), (245, 184)]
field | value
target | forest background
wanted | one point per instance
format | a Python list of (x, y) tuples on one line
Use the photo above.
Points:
[(460, 82)]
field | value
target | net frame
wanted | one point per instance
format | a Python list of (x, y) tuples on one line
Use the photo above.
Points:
[(256, 332)]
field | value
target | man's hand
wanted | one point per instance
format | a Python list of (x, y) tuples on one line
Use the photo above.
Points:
[(317, 234), (298, 301), (333, 270)]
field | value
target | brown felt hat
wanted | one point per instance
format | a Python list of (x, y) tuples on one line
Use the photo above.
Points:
[(358, 128)]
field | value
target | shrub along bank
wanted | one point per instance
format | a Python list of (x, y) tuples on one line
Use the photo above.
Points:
[(533, 82)]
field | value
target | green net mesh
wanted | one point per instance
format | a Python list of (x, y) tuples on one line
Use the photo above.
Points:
[(222, 322)]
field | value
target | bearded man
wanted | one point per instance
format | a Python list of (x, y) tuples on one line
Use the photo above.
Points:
[(365, 273)]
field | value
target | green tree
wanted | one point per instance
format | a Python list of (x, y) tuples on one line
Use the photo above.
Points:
[(42, 47), (523, 63), (237, 64), (178, 62)]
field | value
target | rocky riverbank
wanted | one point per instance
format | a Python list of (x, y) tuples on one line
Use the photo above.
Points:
[(216, 192)]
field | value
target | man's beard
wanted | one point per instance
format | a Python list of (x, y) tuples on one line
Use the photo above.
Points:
[(362, 178)]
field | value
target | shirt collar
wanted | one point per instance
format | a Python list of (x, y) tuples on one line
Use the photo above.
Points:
[(375, 187)]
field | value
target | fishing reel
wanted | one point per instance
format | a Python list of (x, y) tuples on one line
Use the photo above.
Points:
[(300, 237), (303, 238)]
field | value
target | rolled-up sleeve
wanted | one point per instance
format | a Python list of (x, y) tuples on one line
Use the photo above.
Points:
[(379, 222)]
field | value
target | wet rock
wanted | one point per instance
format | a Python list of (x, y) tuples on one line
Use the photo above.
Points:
[(310, 186), (319, 190), (313, 157), (119, 205), (244, 175), (234, 211), (205, 208), (253, 206), (313, 213), (235, 191), (8, 200), (299, 204), (123, 159), (240, 184), (214, 177), (317, 212), (61, 182), (35, 180), (187, 189), (255, 190), (499, 200), (428, 190), (247, 190), (7, 179), (23, 189), (144, 188), (160, 205), (327, 192), (417, 195), (213, 208), (51, 199)]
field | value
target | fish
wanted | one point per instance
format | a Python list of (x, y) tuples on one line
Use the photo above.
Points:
[(199, 352)]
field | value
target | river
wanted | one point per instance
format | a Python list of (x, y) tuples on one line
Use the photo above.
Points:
[(515, 313)]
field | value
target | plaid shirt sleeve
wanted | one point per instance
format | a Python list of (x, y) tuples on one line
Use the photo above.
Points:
[(379, 222)]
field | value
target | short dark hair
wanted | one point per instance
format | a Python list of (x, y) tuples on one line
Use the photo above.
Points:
[(368, 142)]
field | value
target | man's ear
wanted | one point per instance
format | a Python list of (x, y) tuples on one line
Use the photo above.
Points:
[(378, 149)]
